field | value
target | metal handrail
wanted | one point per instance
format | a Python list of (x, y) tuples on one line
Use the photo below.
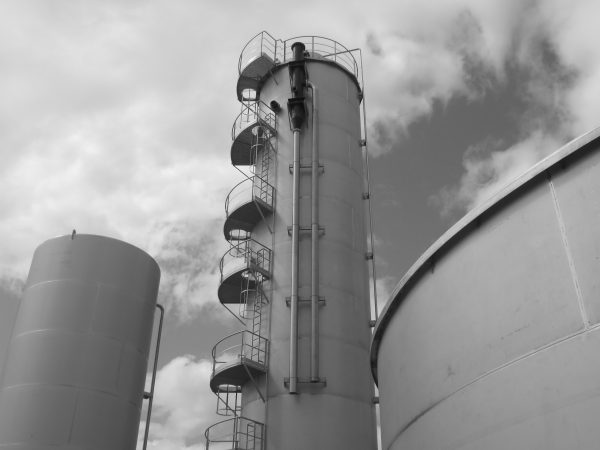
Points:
[(253, 347), (264, 42), (260, 189), (280, 51), (254, 254), (253, 112), (320, 46), (243, 433)]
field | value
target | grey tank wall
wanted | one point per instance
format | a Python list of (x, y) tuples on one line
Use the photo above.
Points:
[(491, 341), (76, 364), (340, 414)]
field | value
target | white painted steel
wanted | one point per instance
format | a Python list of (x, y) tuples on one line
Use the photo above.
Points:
[(293, 373), (314, 237), (339, 414), (76, 365), (491, 340)]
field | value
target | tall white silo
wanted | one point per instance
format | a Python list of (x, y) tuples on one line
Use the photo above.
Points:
[(297, 376), (76, 364)]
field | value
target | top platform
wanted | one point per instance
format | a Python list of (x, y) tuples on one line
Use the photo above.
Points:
[(263, 53)]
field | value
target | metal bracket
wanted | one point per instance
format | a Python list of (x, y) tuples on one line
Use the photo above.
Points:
[(307, 166), (261, 214), (375, 400), (306, 230), (363, 142), (369, 256), (366, 195), (321, 382), (253, 382), (372, 323), (305, 301)]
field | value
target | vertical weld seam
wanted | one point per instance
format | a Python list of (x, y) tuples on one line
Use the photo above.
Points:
[(565, 240), (74, 416)]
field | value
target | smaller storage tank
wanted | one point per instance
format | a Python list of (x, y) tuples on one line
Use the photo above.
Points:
[(76, 364), (491, 340)]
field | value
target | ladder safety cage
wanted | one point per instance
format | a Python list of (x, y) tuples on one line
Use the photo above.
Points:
[(240, 432), (252, 299), (229, 400), (238, 235), (262, 152), (240, 347)]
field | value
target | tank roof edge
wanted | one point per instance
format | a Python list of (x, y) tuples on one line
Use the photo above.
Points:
[(461, 226)]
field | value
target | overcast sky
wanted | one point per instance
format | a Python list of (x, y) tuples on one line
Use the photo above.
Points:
[(115, 119)]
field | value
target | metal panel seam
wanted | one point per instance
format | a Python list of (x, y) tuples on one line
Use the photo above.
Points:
[(493, 371), (565, 240), (456, 231)]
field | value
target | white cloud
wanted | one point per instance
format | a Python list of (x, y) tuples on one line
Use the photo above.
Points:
[(107, 126), (467, 48), (488, 170), (188, 253), (183, 405), (385, 285), (575, 37)]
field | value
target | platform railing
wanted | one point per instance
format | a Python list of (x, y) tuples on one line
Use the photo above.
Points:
[(322, 47), (253, 112), (249, 253), (241, 346), (248, 190), (237, 433), (263, 44)]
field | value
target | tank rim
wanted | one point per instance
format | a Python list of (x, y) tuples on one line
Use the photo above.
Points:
[(99, 237), (463, 225)]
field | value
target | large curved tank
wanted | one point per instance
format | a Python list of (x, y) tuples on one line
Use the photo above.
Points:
[(491, 339), (76, 364)]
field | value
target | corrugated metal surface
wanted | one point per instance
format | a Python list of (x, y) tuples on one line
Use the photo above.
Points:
[(76, 364), (488, 341)]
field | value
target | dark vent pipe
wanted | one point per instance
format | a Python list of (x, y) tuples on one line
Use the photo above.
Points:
[(297, 70), (296, 105)]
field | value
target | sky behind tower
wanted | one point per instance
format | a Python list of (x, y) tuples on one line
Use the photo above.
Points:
[(115, 119)]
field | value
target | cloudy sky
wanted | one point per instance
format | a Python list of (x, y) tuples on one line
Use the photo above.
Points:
[(115, 119)]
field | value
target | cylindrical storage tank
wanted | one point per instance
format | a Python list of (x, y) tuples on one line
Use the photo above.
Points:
[(336, 412), (491, 339), (76, 364)]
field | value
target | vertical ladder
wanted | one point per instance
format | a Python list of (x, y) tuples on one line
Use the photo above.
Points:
[(263, 157), (266, 157), (257, 353), (251, 307)]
